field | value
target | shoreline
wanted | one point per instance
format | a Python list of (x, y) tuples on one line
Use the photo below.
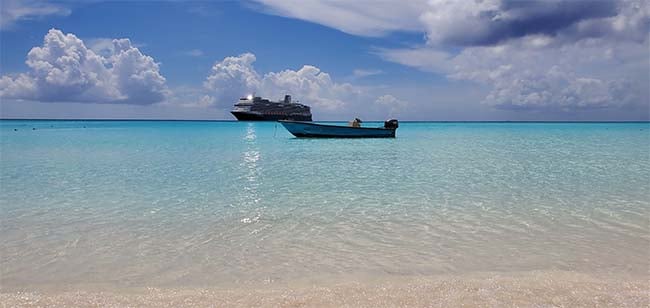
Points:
[(534, 288)]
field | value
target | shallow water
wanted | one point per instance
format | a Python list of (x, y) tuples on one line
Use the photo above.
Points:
[(231, 204)]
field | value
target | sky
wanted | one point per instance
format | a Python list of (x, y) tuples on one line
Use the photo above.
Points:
[(442, 60)]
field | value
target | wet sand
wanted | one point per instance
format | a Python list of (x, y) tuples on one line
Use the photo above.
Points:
[(528, 289)]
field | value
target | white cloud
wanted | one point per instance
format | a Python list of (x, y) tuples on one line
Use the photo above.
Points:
[(525, 75), (472, 22), (138, 76), (365, 17), (592, 73), (101, 45), (65, 70), (554, 54), (600, 61), (311, 85), (13, 11), (234, 77), (391, 104), (553, 88), (389, 100), (360, 73)]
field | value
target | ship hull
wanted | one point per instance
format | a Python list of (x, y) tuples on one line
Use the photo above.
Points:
[(313, 130), (249, 116)]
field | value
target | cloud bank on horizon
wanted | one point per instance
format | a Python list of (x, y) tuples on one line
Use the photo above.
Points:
[(553, 55)]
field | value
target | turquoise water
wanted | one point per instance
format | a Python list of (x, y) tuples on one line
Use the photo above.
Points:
[(140, 203)]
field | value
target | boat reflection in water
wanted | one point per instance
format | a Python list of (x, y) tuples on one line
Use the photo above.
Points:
[(312, 130)]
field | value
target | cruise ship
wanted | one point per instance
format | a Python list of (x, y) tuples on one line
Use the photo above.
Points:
[(255, 108)]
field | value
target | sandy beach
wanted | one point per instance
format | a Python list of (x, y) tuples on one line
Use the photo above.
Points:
[(529, 289)]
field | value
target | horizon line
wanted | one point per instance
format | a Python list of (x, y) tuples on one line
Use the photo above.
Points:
[(403, 121)]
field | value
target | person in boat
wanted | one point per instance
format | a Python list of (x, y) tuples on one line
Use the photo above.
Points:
[(356, 122)]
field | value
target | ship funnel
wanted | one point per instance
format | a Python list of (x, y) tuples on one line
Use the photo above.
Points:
[(287, 99)]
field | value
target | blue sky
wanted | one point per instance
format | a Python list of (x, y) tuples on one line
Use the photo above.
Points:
[(415, 60)]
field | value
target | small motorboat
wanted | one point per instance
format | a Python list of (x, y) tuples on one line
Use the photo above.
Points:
[(304, 129)]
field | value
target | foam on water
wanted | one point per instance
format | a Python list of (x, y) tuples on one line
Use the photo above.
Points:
[(230, 204)]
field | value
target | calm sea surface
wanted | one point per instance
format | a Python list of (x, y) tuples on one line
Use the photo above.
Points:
[(155, 203)]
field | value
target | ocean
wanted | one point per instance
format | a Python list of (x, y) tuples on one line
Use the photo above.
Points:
[(483, 209)]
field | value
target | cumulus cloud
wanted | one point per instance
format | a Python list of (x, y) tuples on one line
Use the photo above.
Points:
[(101, 45), (534, 73), (63, 69), (13, 11), (582, 75), (550, 54), (236, 76), (232, 78), (552, 89), (311, 85)]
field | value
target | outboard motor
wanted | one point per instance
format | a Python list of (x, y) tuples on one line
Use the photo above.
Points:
[(391, 124)]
